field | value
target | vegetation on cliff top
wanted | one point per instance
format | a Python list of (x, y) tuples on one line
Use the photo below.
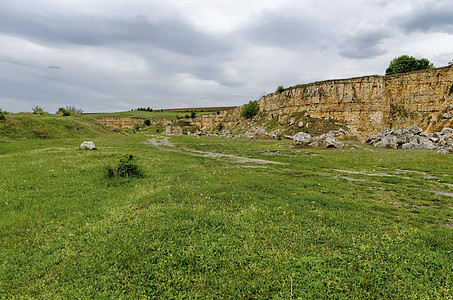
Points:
[(405, 63)]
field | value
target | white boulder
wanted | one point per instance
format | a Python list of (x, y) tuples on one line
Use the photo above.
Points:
[(87, 145)]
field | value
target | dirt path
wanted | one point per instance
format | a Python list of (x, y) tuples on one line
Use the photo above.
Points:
[(193, 152)]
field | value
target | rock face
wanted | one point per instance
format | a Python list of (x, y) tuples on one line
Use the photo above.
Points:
[(119, 122), (412, 137), (365, 104), (175, 130), (87, 145)]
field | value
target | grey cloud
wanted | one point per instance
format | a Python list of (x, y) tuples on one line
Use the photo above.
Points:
[(429, 17), (173, 35), (275, 30), (364, 45), (54, 67), (17, 63)]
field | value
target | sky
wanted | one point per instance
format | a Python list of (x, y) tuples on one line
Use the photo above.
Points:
[(117, 55)]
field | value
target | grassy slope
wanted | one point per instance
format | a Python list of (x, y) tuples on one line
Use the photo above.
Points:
[(200, 227), (167, 115), (27, 125)]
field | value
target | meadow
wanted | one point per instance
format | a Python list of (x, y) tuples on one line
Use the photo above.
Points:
[(282, 223)]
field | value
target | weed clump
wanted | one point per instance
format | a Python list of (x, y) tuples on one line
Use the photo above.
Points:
[(126, 167)]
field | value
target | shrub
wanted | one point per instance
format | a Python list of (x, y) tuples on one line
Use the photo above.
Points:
[(64, 111), (148, 122), (37, 110), (193, 114), (73, 109), (250, 110), (2, 115), (280, 89), (126, 167)]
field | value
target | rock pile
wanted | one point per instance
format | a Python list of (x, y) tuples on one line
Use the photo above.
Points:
[(328, 140), (413, 137)]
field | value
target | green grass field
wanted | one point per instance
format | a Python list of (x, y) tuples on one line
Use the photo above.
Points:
[(362, 223)]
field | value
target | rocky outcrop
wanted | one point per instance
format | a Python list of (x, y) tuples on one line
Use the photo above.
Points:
[(130, 123), (413, 137), (328, 140), (365, 104)]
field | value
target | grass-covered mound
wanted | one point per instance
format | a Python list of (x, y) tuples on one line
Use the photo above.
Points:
[(27, 125)]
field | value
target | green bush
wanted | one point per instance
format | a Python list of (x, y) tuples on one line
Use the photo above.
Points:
[(250, 110), (74, 109), (126, 167), (148, 122), (37, 110), (193, 114), (405, 63), (64, 111), (2, 116), (280, 89)]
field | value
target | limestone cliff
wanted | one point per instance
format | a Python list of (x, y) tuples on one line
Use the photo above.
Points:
[(364, 104)]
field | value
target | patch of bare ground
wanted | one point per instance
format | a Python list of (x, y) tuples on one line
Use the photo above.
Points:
[(228, 157)]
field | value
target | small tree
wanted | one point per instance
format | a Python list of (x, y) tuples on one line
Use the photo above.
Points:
[(250, 110), (280, 89), (405, 63), (193, 114)]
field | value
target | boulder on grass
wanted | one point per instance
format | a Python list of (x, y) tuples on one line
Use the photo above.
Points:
[(302, 138), (87, 145)]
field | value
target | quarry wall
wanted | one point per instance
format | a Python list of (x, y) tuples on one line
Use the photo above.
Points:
[(364, 104)]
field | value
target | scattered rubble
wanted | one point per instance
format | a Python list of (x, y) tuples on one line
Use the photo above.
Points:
[(413, 137), (328, 140)]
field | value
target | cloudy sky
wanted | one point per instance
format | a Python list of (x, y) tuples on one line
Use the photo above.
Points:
[(115, 55)]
